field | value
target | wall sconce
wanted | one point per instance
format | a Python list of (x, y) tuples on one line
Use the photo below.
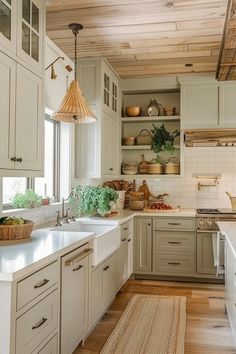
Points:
[(53, 73), (205, 180)]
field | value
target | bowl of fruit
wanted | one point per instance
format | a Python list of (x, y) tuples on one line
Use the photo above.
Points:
[(15, 228)]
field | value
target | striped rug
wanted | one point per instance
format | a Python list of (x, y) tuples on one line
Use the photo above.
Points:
[(150, 324)]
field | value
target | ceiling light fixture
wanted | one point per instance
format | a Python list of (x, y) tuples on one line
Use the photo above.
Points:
[(74, 108)]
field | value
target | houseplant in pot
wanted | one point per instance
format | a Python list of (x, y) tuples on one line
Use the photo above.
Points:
[(162, 140), (92, 200)]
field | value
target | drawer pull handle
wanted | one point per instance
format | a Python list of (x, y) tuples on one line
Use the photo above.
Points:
[(126, 228), (123, 239), (19, 159), (42, 283), (174, 223), (129, 239), (13, 159), (78, 268), (174, 242), (40, 323), (79, 257), (174, 263), (107, 267), (111, 169)]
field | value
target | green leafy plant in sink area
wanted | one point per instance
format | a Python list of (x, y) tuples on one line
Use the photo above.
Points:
[(29, 199), (162, 139), (93, 200)]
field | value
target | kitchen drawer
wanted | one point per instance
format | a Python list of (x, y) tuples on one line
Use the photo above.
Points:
[(50, 348), (174, 223), (34, 285), (35, 325), (170, 264), (126, 228), (174, 241)]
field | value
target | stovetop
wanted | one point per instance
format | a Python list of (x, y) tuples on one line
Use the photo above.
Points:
[(216, 211)]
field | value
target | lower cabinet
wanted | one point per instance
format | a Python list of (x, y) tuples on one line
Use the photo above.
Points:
[(143, 245), (103, 287), (230, 285), (50, 348), (74, 299), (124, 255), (205, 258)]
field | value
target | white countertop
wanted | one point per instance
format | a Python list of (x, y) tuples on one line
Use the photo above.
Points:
[(20, 257), (228, 229), (43, 246), (125, 215)]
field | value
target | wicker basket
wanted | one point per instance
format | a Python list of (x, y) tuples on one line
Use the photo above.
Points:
[(144, 137), (16, 232)]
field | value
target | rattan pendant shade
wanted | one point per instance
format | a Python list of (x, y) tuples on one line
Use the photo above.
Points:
[(74, 108)]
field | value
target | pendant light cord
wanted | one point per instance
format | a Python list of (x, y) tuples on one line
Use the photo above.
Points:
[(75, 34)]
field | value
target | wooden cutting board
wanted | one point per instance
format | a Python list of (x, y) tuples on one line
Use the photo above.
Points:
[(149, 210)]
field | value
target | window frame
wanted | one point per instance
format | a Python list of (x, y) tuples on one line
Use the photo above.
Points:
[(30, 181)]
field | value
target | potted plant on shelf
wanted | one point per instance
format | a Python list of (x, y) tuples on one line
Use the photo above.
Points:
[(92, 200), (162, 139)]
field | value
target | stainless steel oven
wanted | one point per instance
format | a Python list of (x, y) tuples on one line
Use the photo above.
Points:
[(207, 228)]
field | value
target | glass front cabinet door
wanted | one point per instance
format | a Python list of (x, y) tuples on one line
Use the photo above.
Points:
[(8, 25), (30, 33)]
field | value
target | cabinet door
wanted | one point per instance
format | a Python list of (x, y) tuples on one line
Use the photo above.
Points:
[(8, 25), (96, 298), (74, 302), (130, 266), (205, 259), (7, 104), (109, 280), (50, 348), (122, 263), (110, 91), (109, 145), (228, 104), (143, 245), (31, 33), (199, 106), (29, 121)]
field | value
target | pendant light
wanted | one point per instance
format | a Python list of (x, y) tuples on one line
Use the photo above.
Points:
[(74, 108)]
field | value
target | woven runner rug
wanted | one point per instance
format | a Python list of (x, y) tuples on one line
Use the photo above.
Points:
[(150, 324)]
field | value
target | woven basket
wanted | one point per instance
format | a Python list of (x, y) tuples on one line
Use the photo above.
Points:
[(16, 232), (144, 137)]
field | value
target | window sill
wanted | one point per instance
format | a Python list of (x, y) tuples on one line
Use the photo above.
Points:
[(42, 207)]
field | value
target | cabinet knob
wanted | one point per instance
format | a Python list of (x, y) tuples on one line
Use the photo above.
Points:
[(78, 268), (129, 239), (149, 224), (19, 159), (111, 169), (123, 239), (13, 159)]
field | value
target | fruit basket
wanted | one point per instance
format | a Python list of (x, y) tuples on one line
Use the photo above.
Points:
[(16, 231)]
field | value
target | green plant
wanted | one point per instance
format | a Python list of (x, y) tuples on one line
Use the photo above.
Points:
[(162, 139), (93, 199), (29, 199)]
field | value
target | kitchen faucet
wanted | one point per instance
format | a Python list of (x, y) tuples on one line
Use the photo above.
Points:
[(64, 215)]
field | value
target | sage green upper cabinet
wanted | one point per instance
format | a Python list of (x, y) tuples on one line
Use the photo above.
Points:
[(199, 105), (8, 10), (206, 103), (30, 33), (227, 99), (96, 144)]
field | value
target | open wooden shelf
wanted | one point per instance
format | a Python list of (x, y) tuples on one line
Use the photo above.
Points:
[(152, 119), (141, 147)]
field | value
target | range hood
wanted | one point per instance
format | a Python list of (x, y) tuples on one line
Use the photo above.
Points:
[(210, 137)]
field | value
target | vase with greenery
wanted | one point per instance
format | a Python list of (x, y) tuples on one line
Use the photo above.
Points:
[(162, 139), (29, 199), (93, 200)]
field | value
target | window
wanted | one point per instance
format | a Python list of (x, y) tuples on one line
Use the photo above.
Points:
[(47, 186)]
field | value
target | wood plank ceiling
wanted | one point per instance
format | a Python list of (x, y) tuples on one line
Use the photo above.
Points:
[(142, 38)]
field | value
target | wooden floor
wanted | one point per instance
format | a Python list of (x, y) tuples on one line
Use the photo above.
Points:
[(208, 330)]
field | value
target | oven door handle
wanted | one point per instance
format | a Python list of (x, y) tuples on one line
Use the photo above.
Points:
[(206, 231)]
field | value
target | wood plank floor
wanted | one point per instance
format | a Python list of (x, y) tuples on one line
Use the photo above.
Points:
[(208, 330)]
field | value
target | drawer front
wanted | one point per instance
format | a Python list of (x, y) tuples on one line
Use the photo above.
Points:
[(126, 228), (172, 241), (50, 348), (34, 285), (170, 264), (174, 223), (35, 325)]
